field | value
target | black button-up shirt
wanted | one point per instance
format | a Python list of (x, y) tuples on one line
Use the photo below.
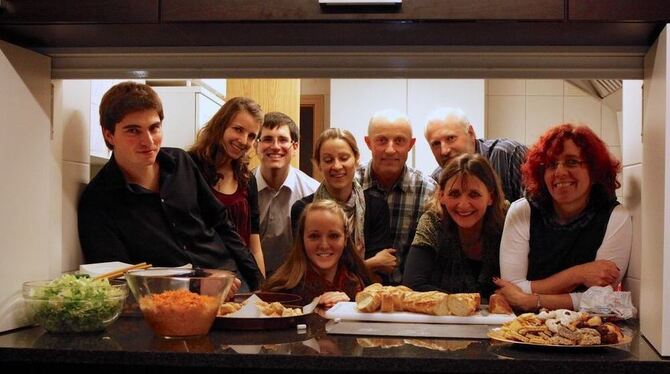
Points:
[(181, 223)]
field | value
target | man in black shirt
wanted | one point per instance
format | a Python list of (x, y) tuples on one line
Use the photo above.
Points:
[(151, 204)]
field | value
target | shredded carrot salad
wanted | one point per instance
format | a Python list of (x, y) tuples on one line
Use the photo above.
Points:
[(179, 313)]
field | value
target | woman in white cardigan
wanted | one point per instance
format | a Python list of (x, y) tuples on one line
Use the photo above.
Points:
[(570, 232)]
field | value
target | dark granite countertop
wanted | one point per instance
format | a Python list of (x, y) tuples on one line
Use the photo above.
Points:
[(129, 345)]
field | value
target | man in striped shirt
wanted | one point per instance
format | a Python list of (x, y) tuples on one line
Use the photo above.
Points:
[(386, 175), (449, 134)]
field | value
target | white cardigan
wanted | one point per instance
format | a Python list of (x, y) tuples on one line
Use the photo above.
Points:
[(514, 246)]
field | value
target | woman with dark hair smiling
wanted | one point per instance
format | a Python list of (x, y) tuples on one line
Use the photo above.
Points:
[(570, 232)]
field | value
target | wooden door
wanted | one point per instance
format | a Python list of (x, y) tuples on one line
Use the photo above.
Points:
[(274, 95), (311, 126)]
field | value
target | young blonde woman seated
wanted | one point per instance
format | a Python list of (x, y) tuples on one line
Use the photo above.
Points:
[(322, 262), (336, 155)]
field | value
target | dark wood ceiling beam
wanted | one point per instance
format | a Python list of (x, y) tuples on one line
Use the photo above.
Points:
[(331, 34), (309, 10)]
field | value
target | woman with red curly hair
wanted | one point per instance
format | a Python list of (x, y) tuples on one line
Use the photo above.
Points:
[(570, 232)]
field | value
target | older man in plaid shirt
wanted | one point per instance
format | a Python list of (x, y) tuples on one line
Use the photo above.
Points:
[(386, 175)]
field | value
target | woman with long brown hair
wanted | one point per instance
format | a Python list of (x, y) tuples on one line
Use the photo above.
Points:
[(457, 239), (220, 151)]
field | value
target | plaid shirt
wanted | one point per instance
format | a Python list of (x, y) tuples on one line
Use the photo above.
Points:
[(506, 157), (406, 201)]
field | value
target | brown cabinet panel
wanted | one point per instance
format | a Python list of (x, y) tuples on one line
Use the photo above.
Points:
[(79, 11), (619, 10), (297, 10), (323, 34)]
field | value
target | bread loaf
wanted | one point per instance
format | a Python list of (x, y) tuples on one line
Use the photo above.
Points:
[(463, 304), (432, 302), (386, 302), (389, 299), (368, 301), (499, 305)]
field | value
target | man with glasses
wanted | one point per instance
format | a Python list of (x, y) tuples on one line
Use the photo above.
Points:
[(450, 134), (403, 188), (279, 186)]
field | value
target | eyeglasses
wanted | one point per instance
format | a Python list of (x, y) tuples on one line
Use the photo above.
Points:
[(269, 141), (571, 163)]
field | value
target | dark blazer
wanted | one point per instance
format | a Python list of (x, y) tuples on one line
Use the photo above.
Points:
[(376, 232)]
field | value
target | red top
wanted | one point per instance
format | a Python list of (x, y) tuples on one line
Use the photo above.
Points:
[(238, 207)]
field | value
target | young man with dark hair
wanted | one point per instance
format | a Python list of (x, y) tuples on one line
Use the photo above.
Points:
[(150, 203), (279, 186)]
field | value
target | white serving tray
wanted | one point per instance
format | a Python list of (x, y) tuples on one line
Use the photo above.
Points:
[(347, 311)]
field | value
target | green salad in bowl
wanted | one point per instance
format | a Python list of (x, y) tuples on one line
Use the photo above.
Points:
[(74, 303)]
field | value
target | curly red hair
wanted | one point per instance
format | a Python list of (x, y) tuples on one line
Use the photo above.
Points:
[(603, 167)]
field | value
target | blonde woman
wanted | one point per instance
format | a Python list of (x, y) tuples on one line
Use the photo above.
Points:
[(336, 155), (322, 262)]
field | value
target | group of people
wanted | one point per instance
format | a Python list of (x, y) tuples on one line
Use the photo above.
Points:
[(537, 225)]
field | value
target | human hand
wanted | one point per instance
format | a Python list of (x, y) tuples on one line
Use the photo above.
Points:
[(598, 273), (234, 288), (514, 295), (384, 261), (331, 298)]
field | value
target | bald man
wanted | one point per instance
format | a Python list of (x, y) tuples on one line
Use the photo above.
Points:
[(450, 134), (405, 189)]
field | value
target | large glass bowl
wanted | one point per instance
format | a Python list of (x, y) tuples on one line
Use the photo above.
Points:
[(178, 305), (71, 304)]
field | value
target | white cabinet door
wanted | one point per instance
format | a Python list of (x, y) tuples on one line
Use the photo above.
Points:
[(655, 256), (206, 107), (179, 116), (26, 164), (186, 110)]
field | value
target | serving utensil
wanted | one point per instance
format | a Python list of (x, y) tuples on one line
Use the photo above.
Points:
[(119, 272)]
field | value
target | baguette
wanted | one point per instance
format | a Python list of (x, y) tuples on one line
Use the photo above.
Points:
[(463, 304), (368, 301), (499, 305), (433, 302), (386, 302)]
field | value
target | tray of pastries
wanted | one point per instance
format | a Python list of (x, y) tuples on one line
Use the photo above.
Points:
[(260, 311), (560, 328)]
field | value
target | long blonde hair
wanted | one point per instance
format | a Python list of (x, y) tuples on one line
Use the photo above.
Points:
[(291, 272), (208, 146)]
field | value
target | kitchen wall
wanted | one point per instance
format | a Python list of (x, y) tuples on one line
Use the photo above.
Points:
[(353, 101), (523, 109)]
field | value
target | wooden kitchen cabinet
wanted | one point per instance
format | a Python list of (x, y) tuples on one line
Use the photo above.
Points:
[(78, 11), (618, 10), (310, 10)]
